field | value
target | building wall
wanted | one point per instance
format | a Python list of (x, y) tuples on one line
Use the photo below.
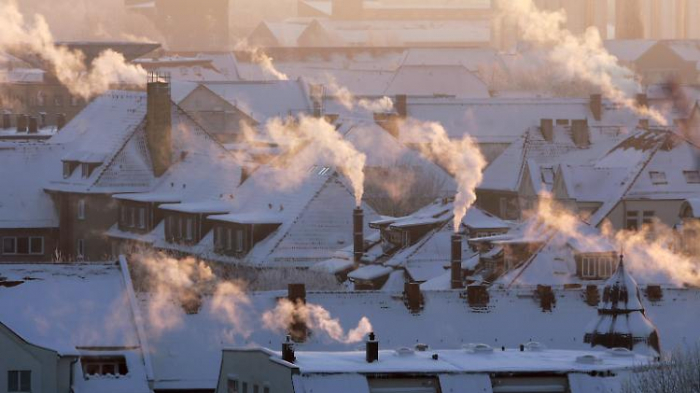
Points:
[(502, 204), (101, 212), (254, 368), (50, 236), (660, 64), (667, 211), (49, 373), (35, 98)]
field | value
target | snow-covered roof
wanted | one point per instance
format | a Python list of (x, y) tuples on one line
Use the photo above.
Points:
[(189, 354), (479, 219), (628, 50), (369, 272), (24, 169), (437, 80)]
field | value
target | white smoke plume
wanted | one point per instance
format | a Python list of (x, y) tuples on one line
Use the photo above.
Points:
[(315, 317), (69, 66), (322, 140), (583, 58), (231, 304), (348, 101), (651, 252), (460, 158), (259, 57)]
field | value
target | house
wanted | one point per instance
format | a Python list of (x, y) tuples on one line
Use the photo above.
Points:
[(123, 142), (659, 61), (65, 341), (475, 368)]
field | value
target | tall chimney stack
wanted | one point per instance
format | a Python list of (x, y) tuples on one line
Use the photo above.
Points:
[(372, 349), (642, 100), (288, 350), (547, 129), (60, 120), (401, 105), (159, 122), (597, 106), (456, 261), (358, 235), (33, 127)]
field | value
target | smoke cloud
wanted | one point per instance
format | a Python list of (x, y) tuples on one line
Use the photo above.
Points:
[(652, 252), (322, 142), (582, 58), (315, 317), (349, 102), (259, 57), (68, 66), (460, 158)]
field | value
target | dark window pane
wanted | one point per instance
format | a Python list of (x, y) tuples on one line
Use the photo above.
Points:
[(108, 369), (8, 245), (12, 381), (22, 245), (36, 245), (25, 381)]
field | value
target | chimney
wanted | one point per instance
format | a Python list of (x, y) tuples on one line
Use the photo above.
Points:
[(372, 349), (642, 100), (644, 124), (546, 296), (579, 133), (60, 120), (21, 123), (42, 119), (358, 234), (456, 261), (6, 121), (316, 91), (592, 295), (597, 106), (159, 122), (296, 293), (547, 128), (400, 105), (389, 122), (477, 295), (288, 350), (654, 293), (412, 296), (33, 125)]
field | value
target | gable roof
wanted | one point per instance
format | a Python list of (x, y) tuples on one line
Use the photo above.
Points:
[(437, 80)]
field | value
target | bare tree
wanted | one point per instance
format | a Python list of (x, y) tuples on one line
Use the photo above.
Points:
[(680, 373)]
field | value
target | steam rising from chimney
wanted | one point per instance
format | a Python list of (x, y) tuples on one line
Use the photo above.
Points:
[(461, 158), (69, 66), (315, 317), (582, 58), (347, 99), (327, 146), (649, 252), (259, 57)]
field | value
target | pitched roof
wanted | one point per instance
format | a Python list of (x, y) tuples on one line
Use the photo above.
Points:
[(437, 80)]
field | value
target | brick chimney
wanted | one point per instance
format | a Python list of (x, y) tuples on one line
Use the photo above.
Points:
[(580, 133), (288, 350), (412, 296), (33, 126), (547, 128), (6, 121), (401, 105), (642, 100), (456, 261), (597, 106), (358, 235), (159, 122), (22, 121), (60, 120), (316, 92)]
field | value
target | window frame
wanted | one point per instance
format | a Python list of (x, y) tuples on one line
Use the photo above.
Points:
[(14, 247), (19, 380), (30, 245), (233, 386), (81, 209), (239, 240)]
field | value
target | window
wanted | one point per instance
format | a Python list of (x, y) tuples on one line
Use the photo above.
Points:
[(692, 177), (85, 168), (81, 209), (596, 266), (36, 245), (658, 177), (142, 217), (588, 267), (647, 217), (245, 387), (67, 169), (132, 217), (9, 245), (81, 248), (104, 365), (266, 389), (58, 100), (229, 239), (239, 240), (74, 101), (233, 386), (256, 389), (19, 381), (189, 228), (40, 98), (124, 214), (547, 175)]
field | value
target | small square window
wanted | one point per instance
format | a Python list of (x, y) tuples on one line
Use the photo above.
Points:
[(658, 177), (19, 381), (547, 175), (9, 245), (81, 209), (692, 177), (36, 245), (233, 386), (23, 245)]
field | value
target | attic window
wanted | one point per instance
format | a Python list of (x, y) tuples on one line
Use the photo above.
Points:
[(658, 177), (547, 175), (104, 365), (692, 177), (68, 168)]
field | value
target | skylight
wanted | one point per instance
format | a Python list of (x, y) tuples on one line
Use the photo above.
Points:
[(547, 175), (658, 177)]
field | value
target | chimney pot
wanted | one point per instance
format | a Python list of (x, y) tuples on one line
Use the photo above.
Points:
[(288, 350), (358, 234), (413, 296), (456, 261), (6, 121), (401, 105), (372, 349)]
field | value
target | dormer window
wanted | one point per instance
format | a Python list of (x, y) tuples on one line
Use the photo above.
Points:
[(547, 175), (658, 177), (68, 168), (104, 366), (87, 169)]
